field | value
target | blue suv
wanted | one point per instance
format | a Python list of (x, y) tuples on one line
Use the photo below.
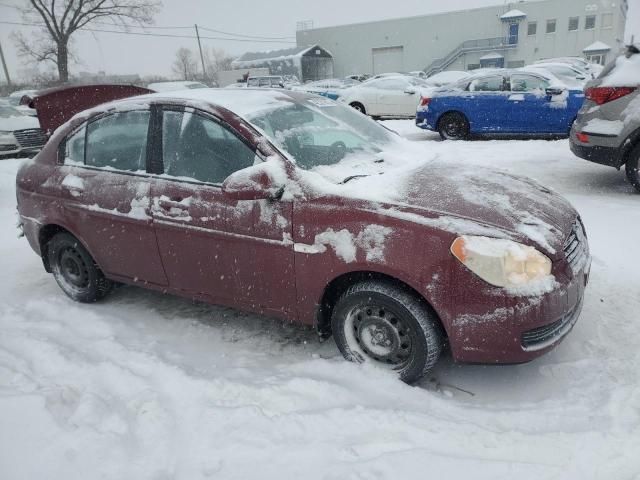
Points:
[(503, 102)]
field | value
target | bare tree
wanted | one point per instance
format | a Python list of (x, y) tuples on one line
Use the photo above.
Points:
[(185, 64), (60, 20), (216, 60)]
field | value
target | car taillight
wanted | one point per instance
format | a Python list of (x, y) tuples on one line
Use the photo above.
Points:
[(583, 137), (424, 101), (602, 95)]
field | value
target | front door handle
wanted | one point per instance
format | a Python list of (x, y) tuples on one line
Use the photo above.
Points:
[(171, 203)]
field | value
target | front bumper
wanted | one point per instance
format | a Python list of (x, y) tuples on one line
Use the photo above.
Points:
[(518, 329)]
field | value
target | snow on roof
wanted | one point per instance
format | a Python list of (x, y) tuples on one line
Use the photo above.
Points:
[(251, 59), (491, 56), (512, 14), (597, 47), (625, 73)]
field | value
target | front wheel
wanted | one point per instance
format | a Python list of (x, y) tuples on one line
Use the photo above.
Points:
[(380, 323), (633, 167), (75, 271), (359, 107), (453, 126)]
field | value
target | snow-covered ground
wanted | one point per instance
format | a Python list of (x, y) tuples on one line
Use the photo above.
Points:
[(146, 386)]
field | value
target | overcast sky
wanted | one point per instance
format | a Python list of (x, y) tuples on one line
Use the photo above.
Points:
[(126, 54)]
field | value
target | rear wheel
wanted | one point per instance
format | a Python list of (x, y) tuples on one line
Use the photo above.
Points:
[(383, 324), (633, 167), (359, 107), (453, 126), (75, 271)]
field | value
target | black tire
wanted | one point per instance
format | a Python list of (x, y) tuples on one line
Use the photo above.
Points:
[(359, 107), (381, 323), (75, 271), (632, 167), (453, 126)]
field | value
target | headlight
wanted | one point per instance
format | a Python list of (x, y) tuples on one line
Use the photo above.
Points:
[(7, 137), (502, 263)]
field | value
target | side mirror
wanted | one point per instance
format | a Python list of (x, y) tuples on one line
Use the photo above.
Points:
[(410, 91), (581, 78), (551, 91), (253, 183)]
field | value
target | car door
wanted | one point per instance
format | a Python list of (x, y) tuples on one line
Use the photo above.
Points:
[(234, 252), (105, 188), (394, 99), (531, 109), (485, 104)]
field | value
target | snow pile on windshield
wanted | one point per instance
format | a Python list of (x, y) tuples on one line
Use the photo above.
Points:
[(625, 73)]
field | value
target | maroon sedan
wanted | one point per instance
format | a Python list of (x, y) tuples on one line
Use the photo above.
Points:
[(298, 207)]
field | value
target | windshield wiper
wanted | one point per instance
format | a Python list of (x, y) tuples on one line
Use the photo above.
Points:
[(348, 179)]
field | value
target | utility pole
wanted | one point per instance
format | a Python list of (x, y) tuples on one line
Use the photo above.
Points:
[(204, 71), (4, 65)]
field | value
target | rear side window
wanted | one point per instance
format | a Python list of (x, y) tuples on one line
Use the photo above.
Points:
[(199, 148), (118, 141), (528, 83), (74, 148), (487, 84)]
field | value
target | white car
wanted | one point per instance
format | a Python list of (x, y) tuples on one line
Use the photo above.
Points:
[(394, 97), (331, 88), (573, 77), (580, 63), (19, 133), (174, 86)]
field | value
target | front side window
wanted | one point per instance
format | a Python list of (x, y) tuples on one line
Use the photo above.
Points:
[(528, 83), (551, 26), (198, 148), (487, 84), (532, 28), (574, 23), (118, 141), (590, 22)]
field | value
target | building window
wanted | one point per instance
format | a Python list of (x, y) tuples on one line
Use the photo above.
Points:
[(551, 26), (532, 28), (574, 22), (516, 64), (607, 20), (590, 22)]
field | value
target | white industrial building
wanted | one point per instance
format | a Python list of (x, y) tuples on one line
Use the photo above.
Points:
[(509, 35)]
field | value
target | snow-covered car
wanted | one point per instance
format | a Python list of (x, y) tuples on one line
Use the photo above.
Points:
[(332, 88), (266, 81), (446, 78), (391, 97), (174, 86), (16, 99), (298, 207), (508, 103), (573, 77), (20, 134), (593, 69), (607, 130)]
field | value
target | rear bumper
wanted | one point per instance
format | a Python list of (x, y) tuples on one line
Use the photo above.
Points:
[(593, 152), (423, 121)]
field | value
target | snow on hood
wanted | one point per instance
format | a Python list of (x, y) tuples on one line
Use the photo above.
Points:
[(18, 122), (410, 183)]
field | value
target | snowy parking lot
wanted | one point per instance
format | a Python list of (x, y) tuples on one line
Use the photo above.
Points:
[(146, 386)]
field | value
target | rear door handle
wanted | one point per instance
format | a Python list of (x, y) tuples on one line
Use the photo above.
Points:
[(168, 204)]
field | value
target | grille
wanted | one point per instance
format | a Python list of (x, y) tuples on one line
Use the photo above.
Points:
[(546, 335), (576, 248), (30, 138)]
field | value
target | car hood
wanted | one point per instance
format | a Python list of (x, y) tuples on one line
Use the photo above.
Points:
[(467, 200), (19, 122)]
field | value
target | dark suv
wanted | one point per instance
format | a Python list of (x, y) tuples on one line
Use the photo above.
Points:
[(607, 130)]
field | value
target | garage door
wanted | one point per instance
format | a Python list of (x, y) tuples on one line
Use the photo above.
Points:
[(387, 59)]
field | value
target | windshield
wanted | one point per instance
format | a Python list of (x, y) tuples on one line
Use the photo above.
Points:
[(7, 111), (319, 132)]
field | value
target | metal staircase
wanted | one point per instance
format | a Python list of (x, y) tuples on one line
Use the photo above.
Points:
[(481, 45)]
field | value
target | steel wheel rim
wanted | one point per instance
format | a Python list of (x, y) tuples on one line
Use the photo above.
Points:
[(73, 268), (377, 333), (453, 128)]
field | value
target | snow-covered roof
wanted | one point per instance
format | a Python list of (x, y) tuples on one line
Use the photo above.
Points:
[(250, 59), (513, 14), (597, 47), (491, 56)]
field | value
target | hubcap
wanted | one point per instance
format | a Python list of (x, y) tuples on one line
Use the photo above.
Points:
[(380, 334), (73, 268)]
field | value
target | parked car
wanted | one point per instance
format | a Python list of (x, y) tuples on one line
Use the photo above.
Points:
[(592, 68), (173, 86), (359, 77), (20, 134), (418, 74), (19, 99), (269, 81), (607, 130), (295, 206), (573, 77), (392, 97), (332, 88), (446, 78), (509, 102)]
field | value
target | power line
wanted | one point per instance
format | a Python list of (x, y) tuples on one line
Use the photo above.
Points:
[(148, 34), (244, 36)]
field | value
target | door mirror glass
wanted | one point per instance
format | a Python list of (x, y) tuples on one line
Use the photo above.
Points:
[(255, 183)]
